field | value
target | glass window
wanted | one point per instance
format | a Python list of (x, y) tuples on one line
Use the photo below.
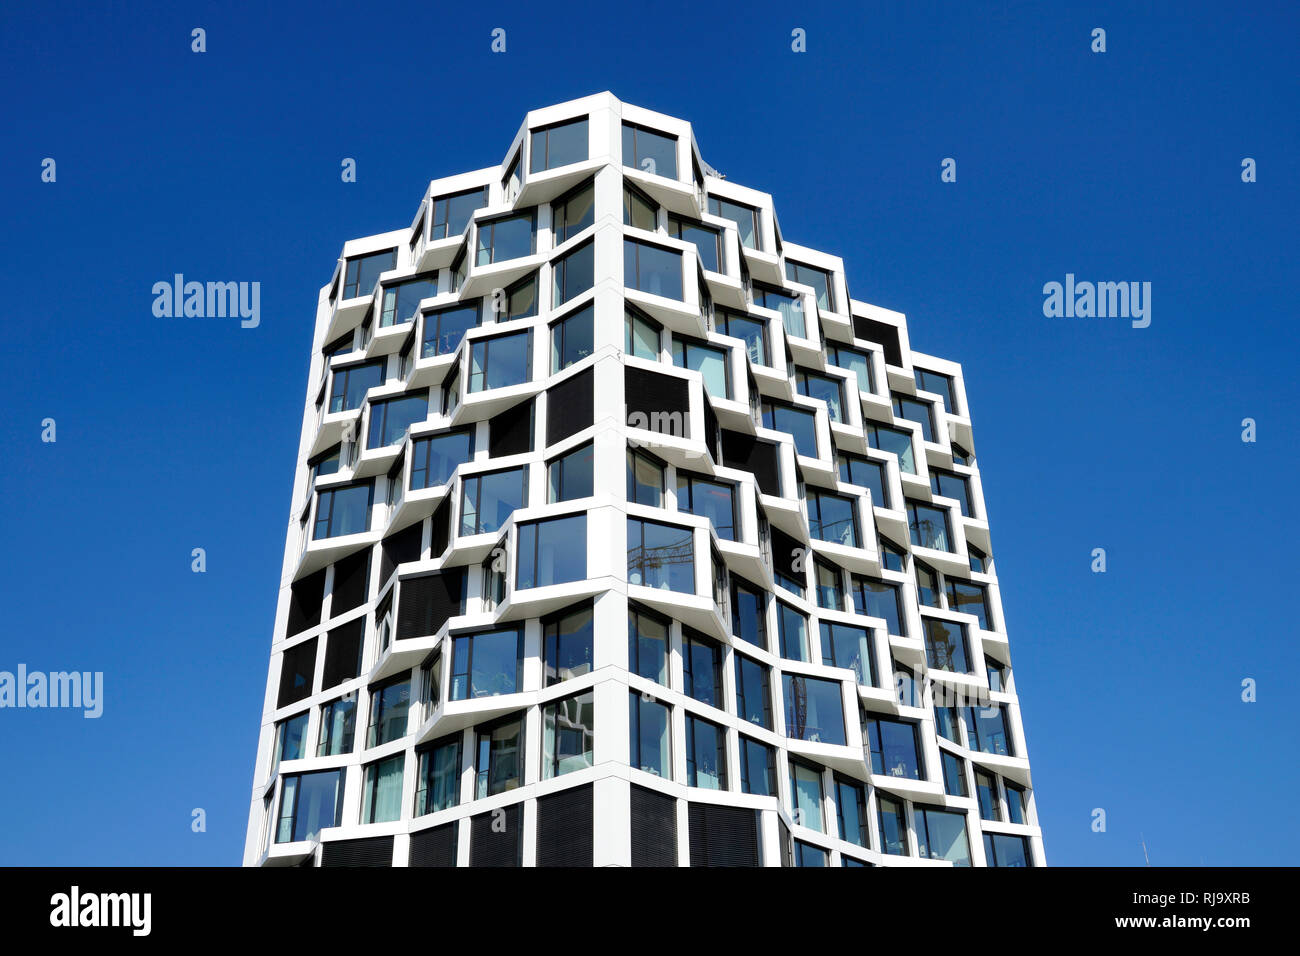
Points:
[(500, 240), (793, 629), (327, 463), (954, 774), (381, 795), (707, 239), (945, 722), (575, 274), (389, 704), (652, 269), (559, 145), (518, 301), (567, 644), (434, 460), (451, 214), (499, 763), (500, 361), (309, 802), (806, 795), (641, 336), (978, 559), (292, 737), (895, 441), (1003, 850), (341, 511), (830, 587), (867, 474), (929, 526), (945, 646), (969, 598), (568, 728), (915, 410), (797, 422), (706, 754), (844, 645), (702, 668), (855, 361), (952, 486), (649, 728), (832, 518), (823, 388), (805, 854), (927, 584), (488, 500), (708, 499), (941, 835), (650, 152), (892, 556), (350, 384), (819, 279), (1016, 804), (438, 786), (893, 826), (647, 640), (338, 720), (571, 339), (851, 811), (552, 552), (645, 479), (757, 768), (569, 476), (880, 599), (748, 613), (573, 213), (708, 360), (745, 218), (986, 788), (402, 299), (660, 556), (988, 730), (390, 419), (937, 383), (752, 331), (639, 211), (445, 328), (790, 306), (363, 272), (753, 691), (813, 709), (487, 664), (512, 181), (895, 747)]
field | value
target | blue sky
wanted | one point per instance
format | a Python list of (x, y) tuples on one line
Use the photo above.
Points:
[(181, 433)]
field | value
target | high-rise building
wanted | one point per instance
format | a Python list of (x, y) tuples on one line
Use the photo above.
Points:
[(622, 535)]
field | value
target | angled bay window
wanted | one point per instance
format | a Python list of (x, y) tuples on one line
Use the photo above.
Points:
[(709, 360), (915, 410), (573, 212), (519, 300), (823, 387), (499, 758), (640, 335), (757, 768), (308, 803), (571, 338), (445, 328), (706, 754), (574, 274), (952, 486), (891, 555), (752, 331), (639, 210), (660, 556), (649, 151), (929, 526), (819, 279), (389, 704), (792, 627), (568, 729), (652, 269), (702, 668), (938, 383), (487, 664), (552, 552), (844, 645), (488, 500), (340, 346), (832, 518), (401, 300), (893, 440), (856, 470), (979, 561), (855, 361), (927, 584), (569, 476), (567, 644), (451, 214), (435, 459), (830, 585), (745, 218), (363, 272), (987, 727), (748, 612), (351, 383), (895, 747), (381, 792), (893, 825), (650, 732), (560, 144), (500, 361), (438, 776), (707, 240), (851, 811), (753, 691), (291, 737), (338, 720), (798, 422), (345, 510), (390, 418), (645, 479), (1000, 849), (511, 237), (941, 835), (710, 499), (954, 774), (969, 598), (806, 794), (647, 644), (814, 709), (880, 599), (789, 305)]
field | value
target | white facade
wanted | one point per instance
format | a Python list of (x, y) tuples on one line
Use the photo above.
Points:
[(368, 572)]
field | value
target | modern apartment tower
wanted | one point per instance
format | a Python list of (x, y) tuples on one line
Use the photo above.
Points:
[(622, 536)]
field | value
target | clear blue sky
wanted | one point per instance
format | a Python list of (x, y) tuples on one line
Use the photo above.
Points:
[(181, 433)]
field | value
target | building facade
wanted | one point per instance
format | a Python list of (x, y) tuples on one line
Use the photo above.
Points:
[(622, 535)]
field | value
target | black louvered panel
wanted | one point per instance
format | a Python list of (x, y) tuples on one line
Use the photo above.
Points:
[(436, 846), (397, 548), (654, 828), (372, 851), (351, 582), (497, 837), (343, 653), (441, 528), (661, 402), (759, 458), (305, 599), (723, 836), (297, 668), (511, 432), (881, 333), (570, 406), (564, 828), (426, 602)]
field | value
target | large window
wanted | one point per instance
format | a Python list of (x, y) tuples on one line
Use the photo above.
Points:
[(500, 361), (552, 552), (708, 499), (488, 500), (438, 786), (846, 646), (309, 802), (757, 768), (389, 705), (945, 646), (855, 361), (851, 811), (291, 737), (363, 272), (445, 328), (660, 556), (645, 479), (806, 795), (650, 735), (571, 339), (953, 486), (500, 240), (752, 331), (567, 645), (574, 273), (941, 835), (895, 747), (560, 145), (819, 279), (1003, 850), (814, 709), (487, 664), (402, 299), (390, 419), (434, 460), (880, 599), (792, 627), (338, 720), (641, 336), (709, 360), (639, 211), (929, 526), (798, 422), (824, 388), (341, 511), (573, 212), (499, 758), (915, 410), (381, 793), (516, 301), (788, 305), (647, 639), (937, 383), (652, 269), (855, 470), (702, 668), (650, 152), (451, 214), (753, 691), (707, 239), (893, 825), (568, 729), (706, 754), (569, 476), (969, 598), (745, 218), (832, 518), (350, 384), (893, 440), (988, 730)]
